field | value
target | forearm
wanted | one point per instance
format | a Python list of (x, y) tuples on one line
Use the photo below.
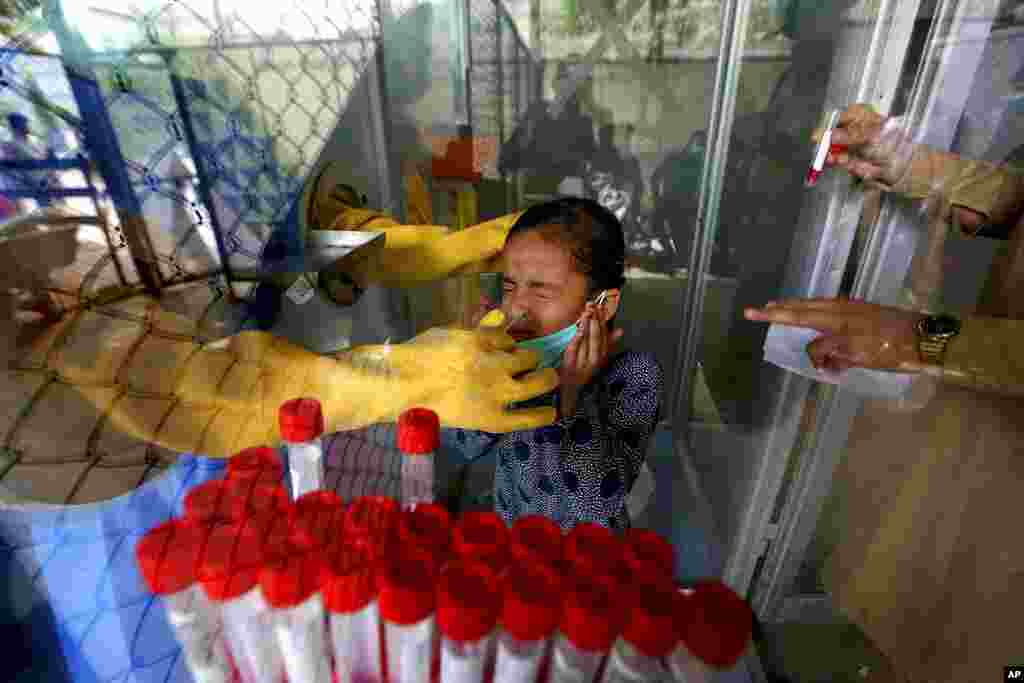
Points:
[(978, 192), (986, 356)]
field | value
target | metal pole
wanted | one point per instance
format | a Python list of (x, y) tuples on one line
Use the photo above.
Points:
[(735, 14), (498, 19), (467, 50), (205, 186), (379, 119)]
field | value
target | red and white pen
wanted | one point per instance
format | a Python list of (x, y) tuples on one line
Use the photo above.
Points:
[(822, 150)]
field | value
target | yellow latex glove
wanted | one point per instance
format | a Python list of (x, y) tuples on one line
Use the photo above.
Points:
[(412, 254), (149, 379)]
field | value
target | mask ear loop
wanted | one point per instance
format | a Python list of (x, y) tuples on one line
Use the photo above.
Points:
[(599, 301)]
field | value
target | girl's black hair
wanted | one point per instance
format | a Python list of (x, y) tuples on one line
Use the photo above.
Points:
[(592, 232)]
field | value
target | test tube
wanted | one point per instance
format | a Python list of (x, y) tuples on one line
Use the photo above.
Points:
[(419, 432), (467, 615), (426, 526), (822, 150), (535, 538), (301, 421), (649, 635), (714, 627), (168, 558), (321, 516), (259, 500), (229, 572), (259, 465), (646, 552), (350, 596), (406, 598), (292, 590), (211, 502), (372, 518), (588, 627), (482, 537), (529, 616)]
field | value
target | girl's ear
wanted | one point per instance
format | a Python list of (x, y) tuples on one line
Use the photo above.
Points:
[(611, 304)]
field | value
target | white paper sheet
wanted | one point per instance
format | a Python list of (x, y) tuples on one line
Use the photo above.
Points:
[(786, 346)]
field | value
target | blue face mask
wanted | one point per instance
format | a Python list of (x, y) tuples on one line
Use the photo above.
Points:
[(550, 347)]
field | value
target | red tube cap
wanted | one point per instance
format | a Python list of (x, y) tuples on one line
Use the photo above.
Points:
[(536, 538), (419, 431), (169, 555), (320, 515), (714, 623), (372, 517), (301, 420), (292, 580), (481, 536), (427, 525), (593, 549), (212, 501), (651, 625), (646, 551), (256, 463), (406, 584), (467, 601), (278, 534), (231, 561), (589, 617), (348, 580), (531, 607), (260, 500)]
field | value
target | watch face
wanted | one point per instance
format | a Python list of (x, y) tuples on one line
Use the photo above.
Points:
[(941, 325)]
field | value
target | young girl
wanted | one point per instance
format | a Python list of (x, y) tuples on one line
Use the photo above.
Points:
[(563, 267)]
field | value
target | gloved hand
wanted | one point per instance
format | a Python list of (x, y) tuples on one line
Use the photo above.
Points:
[(152, 380), (412, 254), (876, 149)]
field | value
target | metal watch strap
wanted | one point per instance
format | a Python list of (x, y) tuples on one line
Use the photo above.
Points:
[(932, 351)]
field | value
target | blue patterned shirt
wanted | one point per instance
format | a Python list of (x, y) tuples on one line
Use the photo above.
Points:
[(581, 468)]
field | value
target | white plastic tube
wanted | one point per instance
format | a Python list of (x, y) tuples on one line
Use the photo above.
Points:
[(686, 668), (418, 439), (417, 479), (410, 650), (626, 664), (356, 640), (570, 664), (518, 661), (197, 627), (306, 466), (465, 662), (301, 635), (249, 631)]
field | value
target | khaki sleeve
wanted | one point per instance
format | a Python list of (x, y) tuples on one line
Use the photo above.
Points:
[(992, 190), (986, 356)]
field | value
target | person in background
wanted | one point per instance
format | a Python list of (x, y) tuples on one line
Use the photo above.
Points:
[(562, 284), (923, 561)]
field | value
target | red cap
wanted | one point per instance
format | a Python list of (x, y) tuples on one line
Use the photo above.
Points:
[(531, 607), (372, 517), (481, 536), (536, 537), (651, 626), (258, 462), (348, 580), (406, 584), (467, 601), (230, 563), (278, 534), (259, 500), (714, 623), (419, 431), (168, 555), (592, 548), (212, 501), (321, 516), (428, 524), (646, 551), (589, 617), (292, 580), (301, 420)]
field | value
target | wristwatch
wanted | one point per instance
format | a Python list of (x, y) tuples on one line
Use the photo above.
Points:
[(934, 334)]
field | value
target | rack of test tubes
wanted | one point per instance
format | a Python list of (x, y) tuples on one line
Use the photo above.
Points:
[(265, 586)]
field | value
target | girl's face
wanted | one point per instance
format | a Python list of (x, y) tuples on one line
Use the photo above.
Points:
[(540, 281)]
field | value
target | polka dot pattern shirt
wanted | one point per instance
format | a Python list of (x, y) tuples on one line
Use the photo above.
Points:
[(581, 468)]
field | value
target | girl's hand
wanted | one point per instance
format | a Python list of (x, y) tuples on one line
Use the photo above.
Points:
[(589, 350), (854, 333)]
